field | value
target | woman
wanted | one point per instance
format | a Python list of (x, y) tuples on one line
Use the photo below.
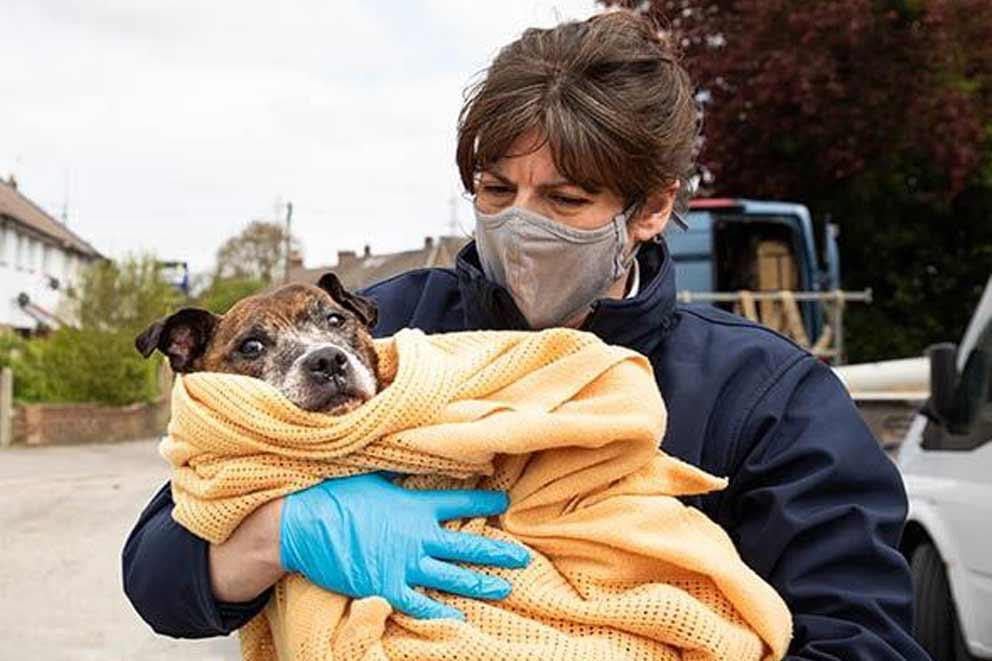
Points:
[(576, 146)]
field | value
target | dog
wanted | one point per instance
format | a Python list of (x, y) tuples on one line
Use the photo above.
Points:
[(313, 343)]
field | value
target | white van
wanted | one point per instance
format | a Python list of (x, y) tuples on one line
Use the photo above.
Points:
[(946, 462)]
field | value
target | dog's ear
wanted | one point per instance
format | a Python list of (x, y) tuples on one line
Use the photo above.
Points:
[(365, 308), (182, 337)]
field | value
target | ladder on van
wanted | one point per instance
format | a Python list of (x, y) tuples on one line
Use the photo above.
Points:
[(779, 310)]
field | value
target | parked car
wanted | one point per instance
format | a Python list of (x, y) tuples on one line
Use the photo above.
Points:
[(946, 461)]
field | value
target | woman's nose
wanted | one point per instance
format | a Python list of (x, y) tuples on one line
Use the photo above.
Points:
[(527, 199)]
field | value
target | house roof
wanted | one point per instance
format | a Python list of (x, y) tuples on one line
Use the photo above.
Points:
[(17, 207), (357, 271)]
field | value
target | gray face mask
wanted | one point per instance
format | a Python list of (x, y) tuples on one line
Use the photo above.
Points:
[(553, 272)]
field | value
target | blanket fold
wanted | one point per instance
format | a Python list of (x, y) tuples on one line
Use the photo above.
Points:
[(567, 425)]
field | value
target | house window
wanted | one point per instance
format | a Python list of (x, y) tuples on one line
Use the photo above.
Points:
[(70, 268), (55, 265), (3, 244), (18, 251)]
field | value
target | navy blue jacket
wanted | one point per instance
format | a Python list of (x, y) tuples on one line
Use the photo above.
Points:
[(814, 506)]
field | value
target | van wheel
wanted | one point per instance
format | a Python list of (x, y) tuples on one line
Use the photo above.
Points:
[(935, 623)]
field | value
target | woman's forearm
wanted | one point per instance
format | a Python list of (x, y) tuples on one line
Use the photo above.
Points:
[(248, 562)]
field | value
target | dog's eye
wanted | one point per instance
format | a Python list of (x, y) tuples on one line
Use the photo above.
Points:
[(335, 320), (251, 348)]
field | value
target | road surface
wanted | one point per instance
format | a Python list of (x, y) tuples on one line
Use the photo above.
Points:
[(64, 515)]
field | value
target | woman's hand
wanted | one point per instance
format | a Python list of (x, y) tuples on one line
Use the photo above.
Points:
[(247, 563), (363, 536)]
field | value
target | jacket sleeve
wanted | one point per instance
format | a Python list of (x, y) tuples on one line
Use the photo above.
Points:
[(817, 508), (167, 578)]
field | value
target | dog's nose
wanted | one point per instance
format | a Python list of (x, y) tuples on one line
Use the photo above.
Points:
[(327, 363)]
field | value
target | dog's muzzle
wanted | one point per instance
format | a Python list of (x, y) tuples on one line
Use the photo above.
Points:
[(328, 376), (329, 364)]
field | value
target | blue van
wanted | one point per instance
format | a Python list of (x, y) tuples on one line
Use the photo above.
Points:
[(737, 244)]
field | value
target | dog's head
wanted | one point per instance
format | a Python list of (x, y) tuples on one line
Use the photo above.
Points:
[(312, 343)]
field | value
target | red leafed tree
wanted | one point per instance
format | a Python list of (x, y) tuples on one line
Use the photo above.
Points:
[(876, 113)]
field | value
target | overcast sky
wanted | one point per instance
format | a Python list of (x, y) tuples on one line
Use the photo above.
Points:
[(168, 125)]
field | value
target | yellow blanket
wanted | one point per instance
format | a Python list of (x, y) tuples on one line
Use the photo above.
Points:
[(568, 425)]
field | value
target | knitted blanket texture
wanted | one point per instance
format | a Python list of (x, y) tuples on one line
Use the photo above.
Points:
[(568, 425)]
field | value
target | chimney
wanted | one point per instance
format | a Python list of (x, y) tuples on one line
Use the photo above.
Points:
[(367, 252), (295, 260), (346, 258), (428, 242), (12, 181)]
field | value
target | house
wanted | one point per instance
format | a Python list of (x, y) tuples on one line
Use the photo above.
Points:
[(41, 261), (357, 271)]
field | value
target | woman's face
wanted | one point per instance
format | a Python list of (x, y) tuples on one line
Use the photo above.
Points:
[(531, 181)]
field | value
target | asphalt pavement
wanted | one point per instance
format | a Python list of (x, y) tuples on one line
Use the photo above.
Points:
[(64, 515)]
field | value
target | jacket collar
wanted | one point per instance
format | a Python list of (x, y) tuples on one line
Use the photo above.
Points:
[(640, 323)]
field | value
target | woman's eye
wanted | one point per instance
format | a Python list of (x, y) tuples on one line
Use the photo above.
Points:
[(496, 189), (567, 201), (335, 320), (252, 348)]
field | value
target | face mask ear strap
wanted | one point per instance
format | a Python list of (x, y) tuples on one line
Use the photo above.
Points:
[(622, 259), (626, 213)]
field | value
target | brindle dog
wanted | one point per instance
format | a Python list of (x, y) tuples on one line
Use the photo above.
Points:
[(312, 343)]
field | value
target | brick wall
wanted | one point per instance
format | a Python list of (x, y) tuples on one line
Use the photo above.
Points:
[(66, 424)]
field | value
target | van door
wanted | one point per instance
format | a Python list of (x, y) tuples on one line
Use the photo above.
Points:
[(956, 463)]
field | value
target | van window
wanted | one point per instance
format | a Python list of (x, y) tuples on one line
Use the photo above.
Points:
[(756, 255)]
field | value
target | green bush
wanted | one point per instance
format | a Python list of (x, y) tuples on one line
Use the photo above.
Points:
[(84, 365), (97, 361), (12, 347), (124, 295), (10, 344)]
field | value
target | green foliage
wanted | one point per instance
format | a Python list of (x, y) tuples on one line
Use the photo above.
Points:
[(84, 365), (222, 293), (124, 295), (11, 346), (96, 362)]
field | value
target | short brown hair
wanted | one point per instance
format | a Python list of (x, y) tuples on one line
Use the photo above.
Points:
[(607, 95)]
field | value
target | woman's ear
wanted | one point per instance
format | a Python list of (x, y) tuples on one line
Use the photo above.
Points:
[(654, 215)]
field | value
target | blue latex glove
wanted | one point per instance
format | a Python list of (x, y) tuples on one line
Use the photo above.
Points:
[(363, 536)]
